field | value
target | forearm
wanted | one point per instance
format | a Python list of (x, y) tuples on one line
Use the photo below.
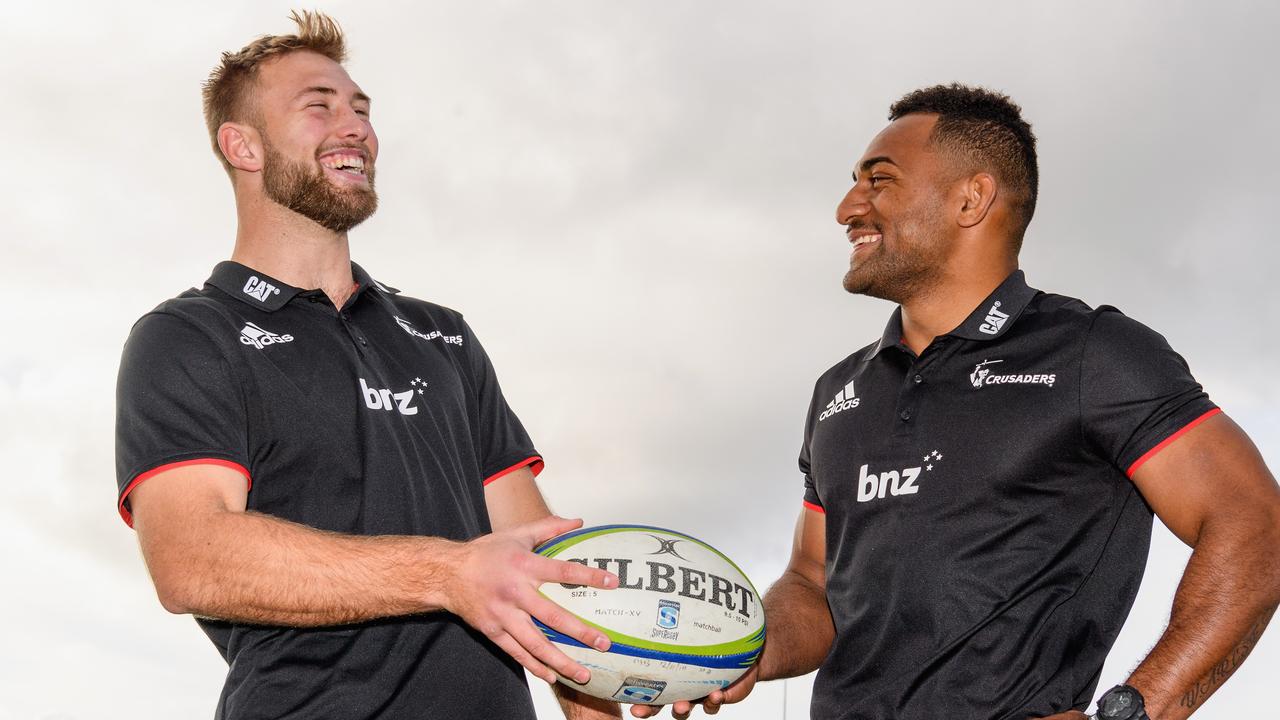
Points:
[(1227, 596), (255, 568), (798, 626), (580, 706)]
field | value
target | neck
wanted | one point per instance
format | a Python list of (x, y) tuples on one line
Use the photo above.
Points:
[(950, 299), (294, 249)]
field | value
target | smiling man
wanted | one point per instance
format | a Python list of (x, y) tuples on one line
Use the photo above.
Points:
[(980, 481), (321, 470)]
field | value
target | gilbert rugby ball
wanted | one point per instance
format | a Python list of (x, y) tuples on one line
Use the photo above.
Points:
[(684, 620)]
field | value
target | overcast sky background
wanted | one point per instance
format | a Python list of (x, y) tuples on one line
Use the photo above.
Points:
[(633, 205)]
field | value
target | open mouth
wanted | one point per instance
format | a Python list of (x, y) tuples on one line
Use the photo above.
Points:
[(864, 240), (346, 164)]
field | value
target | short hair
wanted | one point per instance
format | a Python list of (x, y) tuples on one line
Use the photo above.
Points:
[(985, 129), (227, 91)]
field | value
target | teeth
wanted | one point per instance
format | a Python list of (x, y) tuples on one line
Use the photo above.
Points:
[(866, 239), (340, 162)]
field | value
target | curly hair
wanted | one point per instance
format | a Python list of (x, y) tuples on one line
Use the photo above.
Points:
[(227, 91), (983, 130)]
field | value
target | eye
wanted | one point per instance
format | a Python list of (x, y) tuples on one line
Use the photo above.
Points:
[(319, 105), (876, 180), (362, 113)]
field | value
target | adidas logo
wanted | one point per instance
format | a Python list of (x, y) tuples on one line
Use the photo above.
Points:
[(844, 400), (258, 337)]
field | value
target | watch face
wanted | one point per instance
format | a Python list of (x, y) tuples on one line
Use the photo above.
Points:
[(1118, 704)]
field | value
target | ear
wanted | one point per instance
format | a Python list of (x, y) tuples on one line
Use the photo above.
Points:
[(978, 194), (241, 145)]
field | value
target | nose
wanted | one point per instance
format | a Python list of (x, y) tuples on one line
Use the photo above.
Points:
[(354, 126), (854, 205)]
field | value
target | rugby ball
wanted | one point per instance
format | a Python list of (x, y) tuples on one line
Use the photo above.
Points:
[(684, 620)]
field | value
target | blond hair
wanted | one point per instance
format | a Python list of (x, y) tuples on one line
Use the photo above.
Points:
[(227, 91)]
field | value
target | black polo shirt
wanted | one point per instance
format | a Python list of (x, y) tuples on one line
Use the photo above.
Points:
[(382, 418), (984, 540)]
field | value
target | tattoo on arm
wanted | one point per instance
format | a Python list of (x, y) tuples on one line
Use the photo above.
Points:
[(1223, 670)]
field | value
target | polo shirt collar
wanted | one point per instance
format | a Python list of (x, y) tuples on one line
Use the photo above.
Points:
[(251, 287), (262, 291), (992, 318), (363, 280), (892, 336)]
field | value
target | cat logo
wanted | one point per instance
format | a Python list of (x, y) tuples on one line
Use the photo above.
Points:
[(995, 320), (259, 290)]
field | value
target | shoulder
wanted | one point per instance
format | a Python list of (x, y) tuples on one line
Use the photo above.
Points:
[(193, 323), (1059, 311), (1114, 336), (1104, 328), (203, 307), (852, 364)]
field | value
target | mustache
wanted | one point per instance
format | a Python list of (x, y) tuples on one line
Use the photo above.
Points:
[(862, 225)]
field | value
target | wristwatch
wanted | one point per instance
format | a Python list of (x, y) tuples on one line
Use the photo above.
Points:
[(1121, 702)]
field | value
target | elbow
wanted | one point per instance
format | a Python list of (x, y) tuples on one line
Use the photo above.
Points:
[(174, 598), (175, 588)]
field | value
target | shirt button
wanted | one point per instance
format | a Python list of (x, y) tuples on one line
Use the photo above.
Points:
[(919, 379), (905, 415), (363, 342), (346, 316)]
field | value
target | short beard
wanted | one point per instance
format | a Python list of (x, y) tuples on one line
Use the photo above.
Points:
[(897, 278), (911, 271), (306, 191)]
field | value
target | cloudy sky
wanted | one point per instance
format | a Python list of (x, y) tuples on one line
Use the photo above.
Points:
[(633, 204)]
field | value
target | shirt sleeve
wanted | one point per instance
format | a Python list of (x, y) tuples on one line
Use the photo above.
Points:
[(1137, 394), (177, 403), (811, 498), (504, 445)]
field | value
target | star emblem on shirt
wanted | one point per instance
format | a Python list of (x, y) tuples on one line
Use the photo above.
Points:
[(930, 458), (419, 384)]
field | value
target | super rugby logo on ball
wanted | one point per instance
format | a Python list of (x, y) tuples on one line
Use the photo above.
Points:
[(668, 614), (684, 620)]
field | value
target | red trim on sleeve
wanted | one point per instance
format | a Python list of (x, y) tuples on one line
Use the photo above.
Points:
[(124, 511), (815, 508), (534, 463), (1164, 443)]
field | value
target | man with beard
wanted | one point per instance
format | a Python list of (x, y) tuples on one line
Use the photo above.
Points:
[(325, 472), (980, 481)]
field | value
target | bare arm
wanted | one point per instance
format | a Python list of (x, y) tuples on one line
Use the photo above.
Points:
[(1212, 489), (515, 500), (799, 629), (209, 556)]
